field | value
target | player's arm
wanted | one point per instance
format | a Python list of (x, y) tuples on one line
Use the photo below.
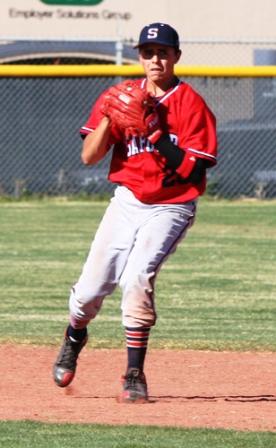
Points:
[(98, 134), (198, 152), (97, 143), (194, 168)]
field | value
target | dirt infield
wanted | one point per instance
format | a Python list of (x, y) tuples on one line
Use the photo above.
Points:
[(187, 389)]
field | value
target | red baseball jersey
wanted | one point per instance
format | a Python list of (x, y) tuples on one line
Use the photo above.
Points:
[(137, 165)]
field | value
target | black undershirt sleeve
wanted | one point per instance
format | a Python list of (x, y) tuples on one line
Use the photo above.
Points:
[(171, 152), (174, 156)]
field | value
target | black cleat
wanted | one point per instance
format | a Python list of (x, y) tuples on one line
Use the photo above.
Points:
[(135, 388), (66, 363)]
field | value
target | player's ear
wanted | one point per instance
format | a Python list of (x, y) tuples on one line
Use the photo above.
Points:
[(178, 54)]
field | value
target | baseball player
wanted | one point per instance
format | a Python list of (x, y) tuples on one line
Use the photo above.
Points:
[(163, 138)]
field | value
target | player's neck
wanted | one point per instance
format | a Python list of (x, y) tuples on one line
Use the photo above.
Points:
[(159, 88)]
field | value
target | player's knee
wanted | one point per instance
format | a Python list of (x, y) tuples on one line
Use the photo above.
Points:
[(89, 291)]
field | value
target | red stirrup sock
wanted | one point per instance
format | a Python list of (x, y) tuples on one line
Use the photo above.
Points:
[(137, 343)]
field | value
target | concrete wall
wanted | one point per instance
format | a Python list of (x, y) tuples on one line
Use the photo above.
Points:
[(193, 19)]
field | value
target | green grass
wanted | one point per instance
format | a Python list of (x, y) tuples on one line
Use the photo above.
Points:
[(31, 434), (216, 292)]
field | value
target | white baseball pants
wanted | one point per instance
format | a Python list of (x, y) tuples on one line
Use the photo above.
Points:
[(132, 242)]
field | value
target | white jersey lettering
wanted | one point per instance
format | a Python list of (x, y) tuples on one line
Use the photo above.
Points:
[(138, 145)]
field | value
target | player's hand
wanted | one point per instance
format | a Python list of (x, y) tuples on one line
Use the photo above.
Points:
[(132, 110)]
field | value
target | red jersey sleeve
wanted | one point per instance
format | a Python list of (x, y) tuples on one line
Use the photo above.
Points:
[(198, 135)]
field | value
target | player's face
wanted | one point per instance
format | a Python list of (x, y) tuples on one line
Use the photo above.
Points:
[(158, 61)]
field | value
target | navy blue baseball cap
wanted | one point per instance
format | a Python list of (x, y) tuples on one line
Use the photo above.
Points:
[(158, 33)]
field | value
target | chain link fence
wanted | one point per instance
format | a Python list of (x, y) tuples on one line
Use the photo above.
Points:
[(40, 144)]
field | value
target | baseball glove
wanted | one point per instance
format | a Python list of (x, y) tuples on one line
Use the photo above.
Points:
[(132, 110)]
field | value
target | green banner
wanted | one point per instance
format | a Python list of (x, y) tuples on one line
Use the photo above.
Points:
[(72, 2)]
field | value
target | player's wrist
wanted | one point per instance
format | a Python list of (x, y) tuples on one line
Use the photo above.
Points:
[(106, 121)]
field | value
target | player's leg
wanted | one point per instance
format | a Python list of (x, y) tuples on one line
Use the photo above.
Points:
[(105, 262), (156, 240)]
